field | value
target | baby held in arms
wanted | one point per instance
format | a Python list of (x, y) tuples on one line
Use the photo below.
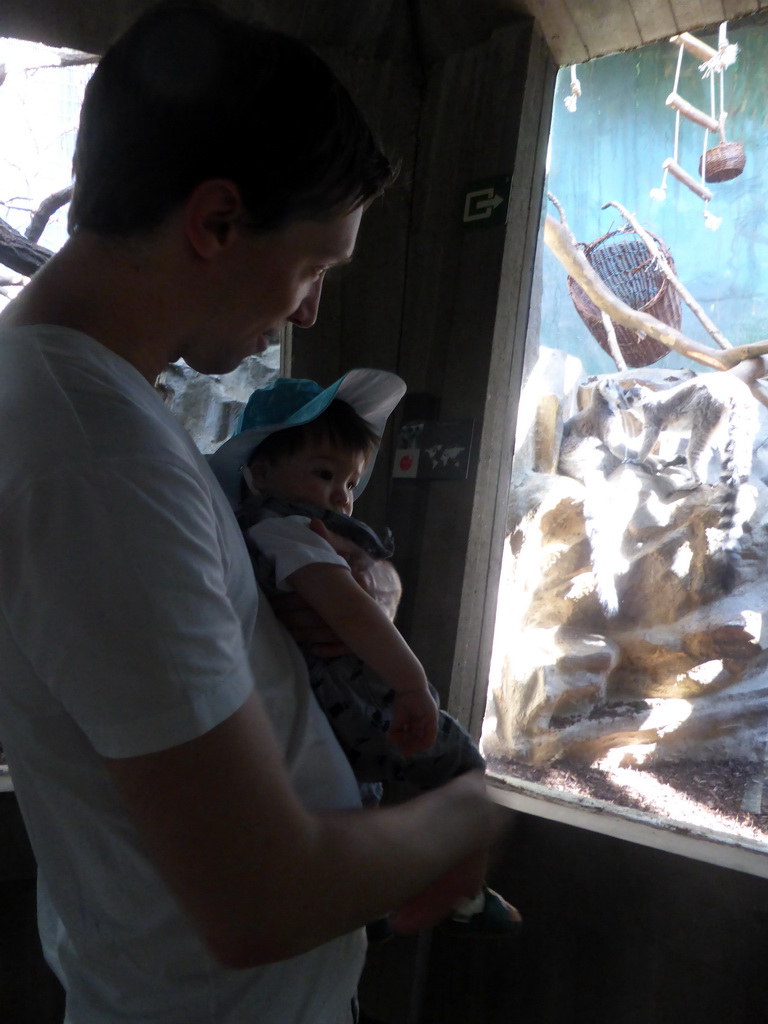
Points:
[(293, 469)]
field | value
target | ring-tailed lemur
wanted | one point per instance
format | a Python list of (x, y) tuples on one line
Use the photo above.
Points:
[(717, 411), (596, 438), (595, 443)]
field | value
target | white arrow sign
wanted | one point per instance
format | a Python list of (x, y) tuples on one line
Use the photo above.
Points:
[(480, 205)]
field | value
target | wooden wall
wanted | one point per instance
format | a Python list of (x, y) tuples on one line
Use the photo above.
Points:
[(446, 306), (361, 312), (615, 933)]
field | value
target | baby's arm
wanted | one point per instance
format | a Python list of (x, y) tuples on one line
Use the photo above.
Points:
[(367, 631)]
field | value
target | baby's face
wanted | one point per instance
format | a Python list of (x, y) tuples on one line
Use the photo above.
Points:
[(319, 472)]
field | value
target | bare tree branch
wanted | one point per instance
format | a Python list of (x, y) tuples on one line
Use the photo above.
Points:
[(577, 266), (73, 58), (18, 253), (711, 328), (563, 219), (45, 211), (68, 59), (613, 342)]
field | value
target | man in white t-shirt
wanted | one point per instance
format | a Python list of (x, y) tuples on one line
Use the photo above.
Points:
[(202, 856)]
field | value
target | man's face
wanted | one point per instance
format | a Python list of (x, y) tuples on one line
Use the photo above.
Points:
[(263, 281), (319, 472)]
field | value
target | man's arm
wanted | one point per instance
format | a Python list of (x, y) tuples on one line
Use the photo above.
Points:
[(263, 878)]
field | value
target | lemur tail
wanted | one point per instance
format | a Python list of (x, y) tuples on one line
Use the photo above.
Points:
[(603, 570), (735, 473), (600, 521)]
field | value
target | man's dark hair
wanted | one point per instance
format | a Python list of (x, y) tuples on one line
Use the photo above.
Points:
[(191, 93), (339, 424)]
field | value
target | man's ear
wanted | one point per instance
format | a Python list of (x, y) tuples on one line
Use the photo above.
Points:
[(211, 215)]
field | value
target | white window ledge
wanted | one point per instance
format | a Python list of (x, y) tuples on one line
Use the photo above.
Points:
[(631, 825)]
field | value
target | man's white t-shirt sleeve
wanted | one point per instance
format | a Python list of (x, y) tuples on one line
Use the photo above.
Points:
[(125, 557)]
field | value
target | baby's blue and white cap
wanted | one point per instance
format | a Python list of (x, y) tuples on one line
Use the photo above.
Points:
[(290, 402)]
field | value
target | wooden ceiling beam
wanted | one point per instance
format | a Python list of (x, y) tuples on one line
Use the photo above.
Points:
[(575, 30)]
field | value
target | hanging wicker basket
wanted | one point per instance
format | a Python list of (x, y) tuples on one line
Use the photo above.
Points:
[(622, 260), (724, 162)]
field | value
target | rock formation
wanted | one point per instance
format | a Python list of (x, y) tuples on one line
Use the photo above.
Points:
[(679, 672), (208, 405)]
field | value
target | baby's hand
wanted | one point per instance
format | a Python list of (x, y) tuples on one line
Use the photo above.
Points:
[(414, 721)]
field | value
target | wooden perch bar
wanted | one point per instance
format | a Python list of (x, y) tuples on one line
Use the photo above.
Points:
[(695, 46), (692, 113), (687, 179)]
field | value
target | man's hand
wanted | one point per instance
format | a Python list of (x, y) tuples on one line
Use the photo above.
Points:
[(438, 900), (465, 881), (414, 722)]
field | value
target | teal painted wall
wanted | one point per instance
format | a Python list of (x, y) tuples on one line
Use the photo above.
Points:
[(612, 148)]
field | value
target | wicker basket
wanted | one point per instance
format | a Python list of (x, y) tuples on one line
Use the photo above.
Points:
[(622, 260), (724, 162)]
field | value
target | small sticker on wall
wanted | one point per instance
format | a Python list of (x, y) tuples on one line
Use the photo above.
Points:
[(406, 462)]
